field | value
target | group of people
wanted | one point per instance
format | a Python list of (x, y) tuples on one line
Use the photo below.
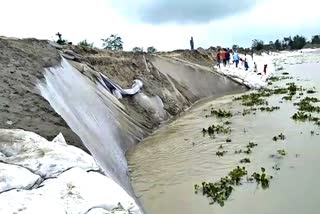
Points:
[(228, 56)]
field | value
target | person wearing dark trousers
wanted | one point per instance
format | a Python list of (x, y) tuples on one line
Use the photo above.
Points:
[(192, 43), (228, 56)]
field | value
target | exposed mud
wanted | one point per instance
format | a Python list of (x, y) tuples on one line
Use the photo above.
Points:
[(21, 107)]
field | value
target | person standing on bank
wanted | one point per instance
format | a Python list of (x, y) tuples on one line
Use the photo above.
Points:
[(224, 57), (227, 56), (192, 43), (246, 64), (236, 58), (218, 58)]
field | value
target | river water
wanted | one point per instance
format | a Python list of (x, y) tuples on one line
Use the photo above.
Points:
[(166, 166)]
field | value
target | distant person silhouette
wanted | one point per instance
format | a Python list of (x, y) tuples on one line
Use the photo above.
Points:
[(218, 58), (192, 43)]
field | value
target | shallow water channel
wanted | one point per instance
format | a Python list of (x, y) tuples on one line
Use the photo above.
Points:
[(166, 166)]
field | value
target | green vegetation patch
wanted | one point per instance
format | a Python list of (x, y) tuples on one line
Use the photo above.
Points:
[(251, 145), (253, 99), (221, 153), (228, 140), (221, 113), (227, 123), (217, 129), (269, 109), (303, 117), (220, 191), (261, 178), (282, 152), (279, 137), (245, 160), (305, 105), (311, 91)]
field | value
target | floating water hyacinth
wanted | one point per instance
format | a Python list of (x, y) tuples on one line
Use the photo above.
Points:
[(261, 178), (220, 191), (245, 160), (282, 152), (279, 137), (221, 113), (221, 153), (217, 129)]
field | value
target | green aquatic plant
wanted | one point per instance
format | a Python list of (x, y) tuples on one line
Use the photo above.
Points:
[(246, 112), (282, 152), (221, 153), (217, 129), (276, 167), (220, 191), (248, 151), (251, 145), (311, 99), (228, 140), (253, 99), (311, 91), (279, 137), (293, 88), (280, 91), (196, 188), (270, 109), (238, 151), (285, 73), (274, 79), (237, 174), (301, 116), (261, 178), (305, 105), (245, 160), (266, 92), (287, 98), (227, 123), (221, 113)]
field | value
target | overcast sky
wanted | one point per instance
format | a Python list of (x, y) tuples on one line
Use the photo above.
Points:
[(165, 24)]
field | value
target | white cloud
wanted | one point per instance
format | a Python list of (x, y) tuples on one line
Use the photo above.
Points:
[(182, 11)]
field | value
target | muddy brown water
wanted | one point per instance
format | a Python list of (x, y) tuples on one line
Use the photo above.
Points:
[(166, 166)]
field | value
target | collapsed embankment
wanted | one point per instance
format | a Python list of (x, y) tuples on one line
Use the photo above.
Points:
[(47, 95)]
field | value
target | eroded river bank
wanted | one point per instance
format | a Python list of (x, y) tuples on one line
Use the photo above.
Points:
[(166, 166)]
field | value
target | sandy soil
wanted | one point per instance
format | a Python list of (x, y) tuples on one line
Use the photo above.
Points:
[(21, 106)]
